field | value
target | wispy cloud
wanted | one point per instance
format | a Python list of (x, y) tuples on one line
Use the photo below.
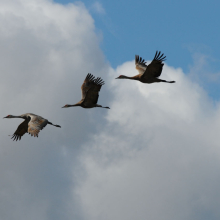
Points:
[(98, 8), (203, 69)]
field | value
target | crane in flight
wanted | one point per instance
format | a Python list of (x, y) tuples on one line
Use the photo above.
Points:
[(32, 124), (148, 73), (90, 93)]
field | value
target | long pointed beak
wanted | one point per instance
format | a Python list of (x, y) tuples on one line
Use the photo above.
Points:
[(117, 78)]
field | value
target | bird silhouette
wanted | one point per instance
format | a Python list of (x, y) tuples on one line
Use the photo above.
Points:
[(90, 93), (150, 73), (32, 124)]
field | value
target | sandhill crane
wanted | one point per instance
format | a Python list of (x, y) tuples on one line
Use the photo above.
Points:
[(32, 124), (150, 73), (90, 93)]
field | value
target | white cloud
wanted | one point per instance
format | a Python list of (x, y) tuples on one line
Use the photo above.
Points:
[(203, 69), (154, 155), (97, 7), (46, 51), (158, 156)]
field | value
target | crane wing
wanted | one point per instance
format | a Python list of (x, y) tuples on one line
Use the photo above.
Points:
[(154, 69), (92, 94), (87, 84), (140, 64), (36, 124), (21, 130)]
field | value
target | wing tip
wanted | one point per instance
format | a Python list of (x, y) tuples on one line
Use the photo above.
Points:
[(159, 57), (136, 59), (139, 60), (16, 137)]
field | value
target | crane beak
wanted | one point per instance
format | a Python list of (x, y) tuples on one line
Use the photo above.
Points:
[(117, 78)]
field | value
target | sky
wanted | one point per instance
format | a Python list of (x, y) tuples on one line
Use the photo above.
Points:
[(186, 31), (154, 155)]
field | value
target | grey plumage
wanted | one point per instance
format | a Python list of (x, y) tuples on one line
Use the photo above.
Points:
[(32, 124)]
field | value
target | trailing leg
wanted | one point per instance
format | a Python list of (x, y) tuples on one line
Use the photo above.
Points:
[(167, 81), (101, 106), (53, 124)]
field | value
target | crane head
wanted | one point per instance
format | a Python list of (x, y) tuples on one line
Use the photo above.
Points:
[(121, 77), (66, 106), (8, 116)]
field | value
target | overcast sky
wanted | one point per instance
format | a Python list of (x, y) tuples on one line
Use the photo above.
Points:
[(154, 155)]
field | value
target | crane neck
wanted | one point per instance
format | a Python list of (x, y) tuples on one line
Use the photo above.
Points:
[(132, 77), (77, 104), (135, 77), (14, 116)]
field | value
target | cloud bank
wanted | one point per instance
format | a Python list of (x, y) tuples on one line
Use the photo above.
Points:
[(154, 155), (158, 156), (46, 51)]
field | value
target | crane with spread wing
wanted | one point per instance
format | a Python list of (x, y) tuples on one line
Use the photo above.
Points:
[(148, 73), (32, 124), (90, 93)]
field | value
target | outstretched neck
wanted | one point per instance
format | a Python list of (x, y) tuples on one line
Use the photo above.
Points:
[(75, 105), (67, 106), (14, 116), (132, 77), (135, 77)]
